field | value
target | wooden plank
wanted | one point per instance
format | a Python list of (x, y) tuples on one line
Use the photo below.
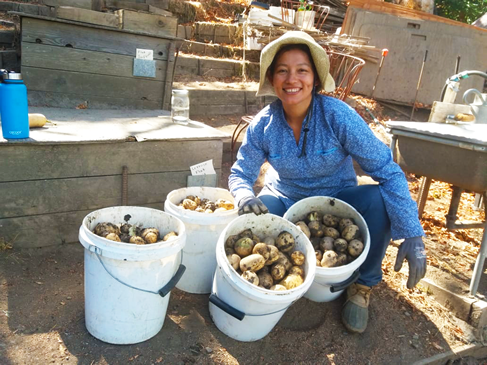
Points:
[(88, 16), (116, 4), (156, 10), (440, 110), (28, 162), (83, 4), (97, 63), (162, 4), (81, 83), (158, 25), (82, 37), (97, 5)]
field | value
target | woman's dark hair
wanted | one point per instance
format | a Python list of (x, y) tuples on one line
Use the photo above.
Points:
[(289, 47)]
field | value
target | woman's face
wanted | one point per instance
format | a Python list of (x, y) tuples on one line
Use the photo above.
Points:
[(293, 78)]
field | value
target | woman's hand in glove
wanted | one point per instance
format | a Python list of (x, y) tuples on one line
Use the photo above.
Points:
[(252, 204), (412, 249)]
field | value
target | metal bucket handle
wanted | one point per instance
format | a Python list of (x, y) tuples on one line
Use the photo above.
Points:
[(163, 291), (477, 93), (335, 288)]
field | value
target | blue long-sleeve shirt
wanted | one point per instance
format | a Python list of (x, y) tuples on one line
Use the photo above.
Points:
[(336, 135)]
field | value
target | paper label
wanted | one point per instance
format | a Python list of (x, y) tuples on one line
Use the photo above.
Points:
[(203, 168), (144, 54)]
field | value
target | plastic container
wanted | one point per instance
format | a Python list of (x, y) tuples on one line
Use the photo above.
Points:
[(241, 310), (127, 286), (180, 106), (13, 106), (330, 282), (203, 231)]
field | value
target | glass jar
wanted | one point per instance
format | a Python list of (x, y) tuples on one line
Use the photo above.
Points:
[(180, 106)]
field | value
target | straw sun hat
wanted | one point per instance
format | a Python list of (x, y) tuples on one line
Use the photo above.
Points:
[(320, 59)]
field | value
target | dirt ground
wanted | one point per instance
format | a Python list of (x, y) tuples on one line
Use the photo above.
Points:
[(42, 309)]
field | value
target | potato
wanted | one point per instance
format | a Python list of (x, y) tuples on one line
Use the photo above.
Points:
[(315, 242), (315, 229), (331, 220), (318, 262), (106, 227), (246, 233), (265, 269), (137, 240), (169, 236), (314, 216), (197, 200), (124, 237), (285, 241), (342, 259), (230, 241), (278, 287), (355, 248), (243, 247), (150, 235), (219, 210), (326, 244), (298, 258), (304, 228), (270, 241), (319, 255), (253, 262), (331, 232), (113, 237), (273, 255), (344, 222), (227, 205), (125, 228), (340, 245), (265, 279), (190, 197), (298, 270), (278, 271), (207, 211), (256, 238), (234, 260), (229, 251), (36, 120), (284, 259), (329, 259), (351, 232), (251, 277), (199, 209), (189, 204), (292, 281)]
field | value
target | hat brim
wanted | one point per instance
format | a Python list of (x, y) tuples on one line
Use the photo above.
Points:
[(319, 55)]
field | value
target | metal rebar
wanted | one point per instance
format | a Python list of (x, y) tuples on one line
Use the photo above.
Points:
[(125, 185)]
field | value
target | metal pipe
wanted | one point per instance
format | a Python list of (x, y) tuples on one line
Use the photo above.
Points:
[(125, 185), (419, 83), (479, 264)]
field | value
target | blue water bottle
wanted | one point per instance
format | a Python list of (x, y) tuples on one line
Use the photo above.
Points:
[(13, 106)]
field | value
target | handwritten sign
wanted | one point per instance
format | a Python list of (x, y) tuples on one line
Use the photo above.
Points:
[(144, 54), (203, 168)]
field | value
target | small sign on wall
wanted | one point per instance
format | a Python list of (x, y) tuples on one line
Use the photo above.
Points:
[(144, 64)]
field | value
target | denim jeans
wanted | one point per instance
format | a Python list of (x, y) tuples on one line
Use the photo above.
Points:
[(367, 200)]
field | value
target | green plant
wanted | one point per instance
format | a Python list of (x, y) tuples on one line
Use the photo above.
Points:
[(305, 5)]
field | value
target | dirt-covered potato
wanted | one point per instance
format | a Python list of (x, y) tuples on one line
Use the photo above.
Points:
[(150, 235), (331, 220), (285, 241), (251, 277), (284, 259), (243, 247), (137, 240), (270, 241), (278, 287), (345, 222), (315, 242), (316, 228), (326, 243), (125, 237), (342, 259), (125, 228), (227, 205), (189, 204), (210, 206), (253, 262), (351, 232), (355, 248), (331, 232), (318, 263), (313, 216), (292, 281), (169, 236), (265, 279), (298, 270), (273, 255), (246, 233), (278, 271), (256, 238), (230, 241), (229, 251), (304, 228), (113, 237), (298, 258), (107, 227), (262, 249), (199, 209), (329, 259), (234, 260), (319, 254), (340, 245)]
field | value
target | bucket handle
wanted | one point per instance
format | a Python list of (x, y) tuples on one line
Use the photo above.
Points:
[(163, 291), (344, 284)]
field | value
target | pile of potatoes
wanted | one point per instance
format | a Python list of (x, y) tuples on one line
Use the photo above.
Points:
[(270, 263), (194, 202), (337, 241), (130, 233)]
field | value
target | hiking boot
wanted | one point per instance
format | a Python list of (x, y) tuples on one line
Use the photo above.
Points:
[(355, 312)]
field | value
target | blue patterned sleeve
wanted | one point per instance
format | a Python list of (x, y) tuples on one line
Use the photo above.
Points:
[(375, 158)]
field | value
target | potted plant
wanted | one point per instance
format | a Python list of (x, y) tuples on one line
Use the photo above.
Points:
[(305, 16)]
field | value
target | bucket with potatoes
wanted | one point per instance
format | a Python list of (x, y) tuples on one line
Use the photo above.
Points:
[(340, 240), (264, 264)]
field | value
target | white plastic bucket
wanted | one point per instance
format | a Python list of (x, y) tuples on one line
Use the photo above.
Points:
[(203, 231), (330, 282), (127, 286), (241, 310)]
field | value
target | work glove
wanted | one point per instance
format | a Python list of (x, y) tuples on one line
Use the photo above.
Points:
[(251, 204), (412, 249)]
